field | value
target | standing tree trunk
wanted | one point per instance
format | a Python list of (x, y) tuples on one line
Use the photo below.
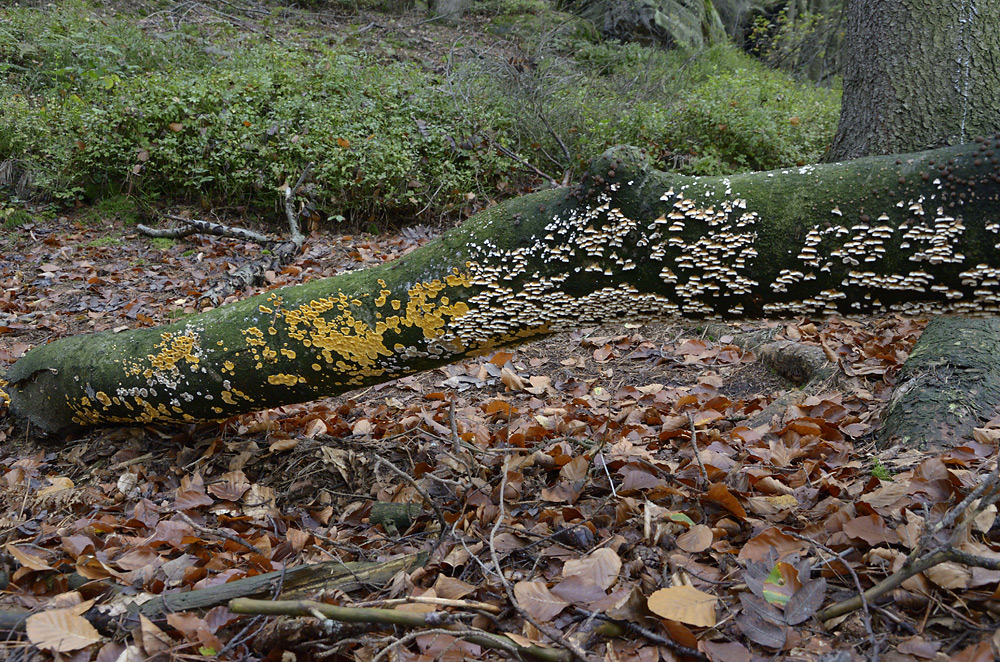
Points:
[(912, 233), (919, 74)]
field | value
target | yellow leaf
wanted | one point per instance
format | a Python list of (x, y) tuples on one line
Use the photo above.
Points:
[(176, 127), (60, 630), (27, 560), (59, 483), (344, 142), (685, 604)]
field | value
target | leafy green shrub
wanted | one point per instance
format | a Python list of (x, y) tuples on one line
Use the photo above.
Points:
[(753, 118), (234, 129), (97, 108), (712, 113)]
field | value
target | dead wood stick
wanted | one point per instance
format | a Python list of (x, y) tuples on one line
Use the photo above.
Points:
[(440, 602), (197, 226), (300, 580), (445, 622), (895, 579), (295, 234)]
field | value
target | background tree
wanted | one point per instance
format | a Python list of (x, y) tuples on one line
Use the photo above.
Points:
[(917, 75)]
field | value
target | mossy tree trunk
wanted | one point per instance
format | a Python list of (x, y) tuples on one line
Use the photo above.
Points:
[(919, 74), (912, 233)]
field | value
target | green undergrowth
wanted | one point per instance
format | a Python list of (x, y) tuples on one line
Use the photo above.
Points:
[(104, 107), (715, 112)]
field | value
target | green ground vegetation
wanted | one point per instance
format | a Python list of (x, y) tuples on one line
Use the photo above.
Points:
[(128, 111)]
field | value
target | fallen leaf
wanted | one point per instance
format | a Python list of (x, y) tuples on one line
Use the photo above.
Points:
[(726, 652), (535, 598), (806, 601), (685, 604), (60, 630), (696, 539), (601, 565)]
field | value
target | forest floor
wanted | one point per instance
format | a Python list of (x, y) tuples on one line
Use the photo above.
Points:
[(630, 492), (586, 435)]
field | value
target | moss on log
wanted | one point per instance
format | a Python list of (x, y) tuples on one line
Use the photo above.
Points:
[(949, 384), (912, 233)]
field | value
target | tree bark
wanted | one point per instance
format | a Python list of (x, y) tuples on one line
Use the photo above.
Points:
[(918, 74), (914, 233)]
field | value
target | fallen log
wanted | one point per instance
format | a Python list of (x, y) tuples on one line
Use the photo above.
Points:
[(914, 233)]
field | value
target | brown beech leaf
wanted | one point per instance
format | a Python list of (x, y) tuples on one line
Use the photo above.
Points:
[(231, 486), (535, 598), (981, 652), (191, 493), (575, 469), (601, 565), (511, 380), (579, 589), (760, 631), (685, 604), (919, 647), (154, 640), (452, 588), (757, 548), (696, 539), (872, 529), (58, 484), (722, 496), (30, 561), (60, 630), (949, 575), (725, 652)]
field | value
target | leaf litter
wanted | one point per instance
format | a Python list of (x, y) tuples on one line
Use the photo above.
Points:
[(605, 473)]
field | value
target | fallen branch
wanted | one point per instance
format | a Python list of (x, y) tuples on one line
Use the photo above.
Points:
[(293, 582), (806, 366), (917, 562), (897, 578), (442, 622), (197, 226), (253, 272)]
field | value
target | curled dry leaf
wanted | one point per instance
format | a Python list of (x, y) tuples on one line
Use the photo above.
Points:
[(30, 561), (58, 484), (758, 547), (231, 486), (685, 604), (61, 630)]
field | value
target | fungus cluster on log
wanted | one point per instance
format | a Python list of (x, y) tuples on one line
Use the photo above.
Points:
[(916, 233)]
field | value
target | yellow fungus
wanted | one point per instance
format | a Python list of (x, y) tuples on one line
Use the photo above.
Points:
[(286, 380)]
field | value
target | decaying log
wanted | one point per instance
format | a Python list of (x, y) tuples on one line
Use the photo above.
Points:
[(911, 233)]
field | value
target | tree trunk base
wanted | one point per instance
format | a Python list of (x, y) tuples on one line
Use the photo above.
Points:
[(949, 385)]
